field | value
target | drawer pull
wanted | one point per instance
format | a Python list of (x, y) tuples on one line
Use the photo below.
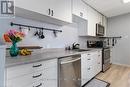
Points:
[(81, 14), (38, 85), (37, 65), (49, 11), (89, 54), (52, 13), (89, 68), (89, 59), (37, 76)]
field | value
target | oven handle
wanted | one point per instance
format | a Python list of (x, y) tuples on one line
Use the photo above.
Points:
[(66, 62)]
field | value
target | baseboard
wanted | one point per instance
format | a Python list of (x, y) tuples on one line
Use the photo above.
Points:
[(121, 64)]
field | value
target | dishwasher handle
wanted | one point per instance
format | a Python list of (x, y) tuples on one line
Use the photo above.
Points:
[(70, 61)]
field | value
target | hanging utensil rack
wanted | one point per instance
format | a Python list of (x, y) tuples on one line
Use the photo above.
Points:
[(41, 28), (111, 37)]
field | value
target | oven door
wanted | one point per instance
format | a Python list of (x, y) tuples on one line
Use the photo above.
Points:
[(106, 55)]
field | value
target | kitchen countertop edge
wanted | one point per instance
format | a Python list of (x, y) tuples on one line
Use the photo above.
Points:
[(12, 62)]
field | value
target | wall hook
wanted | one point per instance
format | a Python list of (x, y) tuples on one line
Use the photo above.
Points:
[(20, 28), (55, 33), (29, 28)]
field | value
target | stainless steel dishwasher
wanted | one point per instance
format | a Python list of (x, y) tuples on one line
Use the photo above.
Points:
[(70, 71)]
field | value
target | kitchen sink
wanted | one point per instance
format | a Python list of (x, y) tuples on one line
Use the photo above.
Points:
[(80, 50)]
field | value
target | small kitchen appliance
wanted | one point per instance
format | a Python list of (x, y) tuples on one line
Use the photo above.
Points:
[(100, 30)]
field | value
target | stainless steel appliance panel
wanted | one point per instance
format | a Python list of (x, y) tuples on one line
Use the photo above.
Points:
[(106, 53), (100, 30), (106, 59), (70, 71)]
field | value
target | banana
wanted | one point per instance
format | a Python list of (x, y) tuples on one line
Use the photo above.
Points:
[(25, 52)]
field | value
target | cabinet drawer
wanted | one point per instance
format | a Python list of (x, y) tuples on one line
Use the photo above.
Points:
[(90, 73), (43, 83), (45, 64), (18, 71), (29, 68), (20, 81), (24, 80)]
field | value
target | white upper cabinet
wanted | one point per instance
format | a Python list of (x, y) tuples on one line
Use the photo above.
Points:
[(79, 8), (62, 10), (87, 27), (45, 10), (104, 23), (93, 17), (92, 20), (40, 6)]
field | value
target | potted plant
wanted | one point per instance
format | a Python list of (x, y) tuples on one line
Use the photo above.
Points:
[(13, 36)]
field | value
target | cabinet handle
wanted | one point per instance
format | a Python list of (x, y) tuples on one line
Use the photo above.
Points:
[(37, 76), (99, 63), (89, 68), (89, 54), (49, 11), (38, 85), (37, 65), (52, 13), (81, 14), (89, 59)]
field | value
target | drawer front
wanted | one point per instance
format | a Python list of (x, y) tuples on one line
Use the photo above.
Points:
[(44, 65), (20, 81), (24, 80), (17, 71), (90, 73), (20, 70)]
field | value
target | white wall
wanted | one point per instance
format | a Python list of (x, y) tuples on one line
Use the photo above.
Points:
[(2, 66), (120, 26), (67, 37)]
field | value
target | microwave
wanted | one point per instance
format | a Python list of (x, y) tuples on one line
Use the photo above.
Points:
[(100, 30)]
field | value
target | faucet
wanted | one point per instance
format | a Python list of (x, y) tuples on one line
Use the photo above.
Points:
[(75, 46)]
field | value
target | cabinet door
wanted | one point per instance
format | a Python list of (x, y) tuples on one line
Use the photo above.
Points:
[(79, 8), (50, 77), (61, 9), (92, 18), (104, 20), (99, 18), (21, 81), (40, 6), (83, 69)]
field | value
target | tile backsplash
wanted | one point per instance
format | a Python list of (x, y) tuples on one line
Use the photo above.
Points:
[(67, 37)]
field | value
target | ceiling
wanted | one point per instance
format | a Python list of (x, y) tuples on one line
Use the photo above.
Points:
[(110, 8)]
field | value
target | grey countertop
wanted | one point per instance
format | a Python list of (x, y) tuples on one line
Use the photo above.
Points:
[(41, 55)]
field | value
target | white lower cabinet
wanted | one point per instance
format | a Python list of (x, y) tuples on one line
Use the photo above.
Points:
[(40, 74), (91, 65)]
